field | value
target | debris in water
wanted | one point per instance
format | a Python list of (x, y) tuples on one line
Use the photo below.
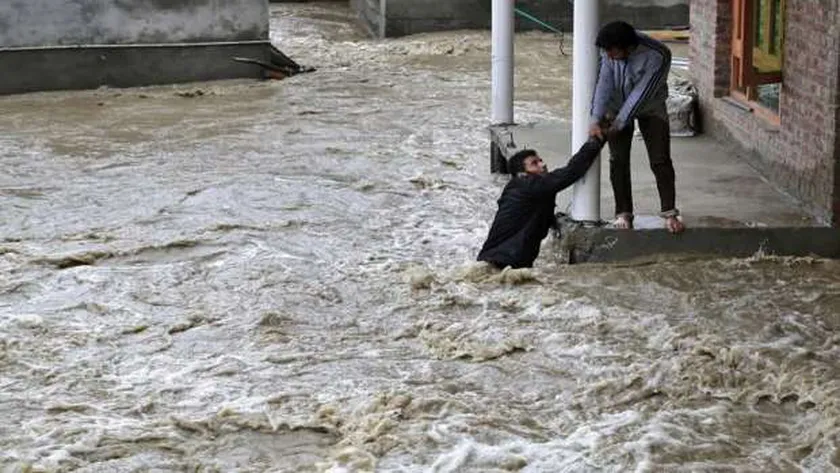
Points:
[(190, 95), (420, 278), (135, 330)]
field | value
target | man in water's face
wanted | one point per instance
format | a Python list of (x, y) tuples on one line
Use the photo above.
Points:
[(535, 165)]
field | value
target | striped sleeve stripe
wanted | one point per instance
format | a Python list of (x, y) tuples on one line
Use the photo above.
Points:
[(656, 79)]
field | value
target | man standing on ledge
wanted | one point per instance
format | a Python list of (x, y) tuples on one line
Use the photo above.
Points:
[(633, 85), (526, 207)]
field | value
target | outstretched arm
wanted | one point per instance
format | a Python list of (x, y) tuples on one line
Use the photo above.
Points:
[(561, 178), (604, 89)]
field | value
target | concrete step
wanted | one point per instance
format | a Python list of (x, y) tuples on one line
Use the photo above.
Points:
[(579, 244)]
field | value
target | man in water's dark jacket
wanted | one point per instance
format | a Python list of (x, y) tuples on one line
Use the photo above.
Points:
[(526, 207)]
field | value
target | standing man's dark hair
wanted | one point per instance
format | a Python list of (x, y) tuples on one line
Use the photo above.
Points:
[(617, 34)]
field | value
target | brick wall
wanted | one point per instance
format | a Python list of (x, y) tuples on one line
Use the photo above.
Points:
[(801, 154)]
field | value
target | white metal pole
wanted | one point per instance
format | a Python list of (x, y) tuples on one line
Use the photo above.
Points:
[(586, 200), (502, 60)]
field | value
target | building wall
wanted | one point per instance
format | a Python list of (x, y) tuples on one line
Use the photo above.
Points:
[(403, 17), (646, 14), (65, 22), (49, 44), (800, 154), (371, 14)]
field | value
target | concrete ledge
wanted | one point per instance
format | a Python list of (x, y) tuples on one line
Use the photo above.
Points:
[(731, 212), (89, 67), (595, 245)]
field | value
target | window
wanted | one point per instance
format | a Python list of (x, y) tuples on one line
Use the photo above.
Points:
[(758, 37)]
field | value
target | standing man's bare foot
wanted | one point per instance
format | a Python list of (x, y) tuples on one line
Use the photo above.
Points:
[(674, 225), (623, 221)]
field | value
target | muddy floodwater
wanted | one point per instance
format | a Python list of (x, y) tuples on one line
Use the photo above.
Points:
[(278, 276)]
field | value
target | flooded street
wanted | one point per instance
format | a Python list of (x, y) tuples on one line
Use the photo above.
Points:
[(278, 276)]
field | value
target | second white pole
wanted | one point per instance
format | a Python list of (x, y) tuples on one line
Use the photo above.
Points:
[(502, 62), (586, 200)]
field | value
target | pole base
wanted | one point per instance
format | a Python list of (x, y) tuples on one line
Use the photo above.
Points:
[(588, 223), (565, 221), (570, 235)]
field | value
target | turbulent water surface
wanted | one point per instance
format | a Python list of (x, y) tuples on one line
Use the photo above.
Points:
[(278, 276)]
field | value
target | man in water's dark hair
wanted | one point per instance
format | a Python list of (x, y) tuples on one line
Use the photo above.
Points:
[(516, 164)]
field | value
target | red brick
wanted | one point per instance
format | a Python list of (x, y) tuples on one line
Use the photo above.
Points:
[(803, 155)]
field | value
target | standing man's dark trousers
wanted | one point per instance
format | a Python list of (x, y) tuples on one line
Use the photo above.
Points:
[(657, 135)]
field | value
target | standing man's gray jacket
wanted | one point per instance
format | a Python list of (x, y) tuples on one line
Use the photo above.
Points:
[(635, 86)]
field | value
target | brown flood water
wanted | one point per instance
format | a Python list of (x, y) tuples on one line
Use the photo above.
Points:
[(279, 276)]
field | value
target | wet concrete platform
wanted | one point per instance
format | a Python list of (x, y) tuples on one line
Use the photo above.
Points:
[(729, 209)]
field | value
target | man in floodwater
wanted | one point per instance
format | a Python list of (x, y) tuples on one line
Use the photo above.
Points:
[(526, 207), (633, 86)]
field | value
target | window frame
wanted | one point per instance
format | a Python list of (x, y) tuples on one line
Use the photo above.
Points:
[(745, 77)]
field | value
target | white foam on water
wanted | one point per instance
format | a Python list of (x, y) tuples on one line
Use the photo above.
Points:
[(280, 276)]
